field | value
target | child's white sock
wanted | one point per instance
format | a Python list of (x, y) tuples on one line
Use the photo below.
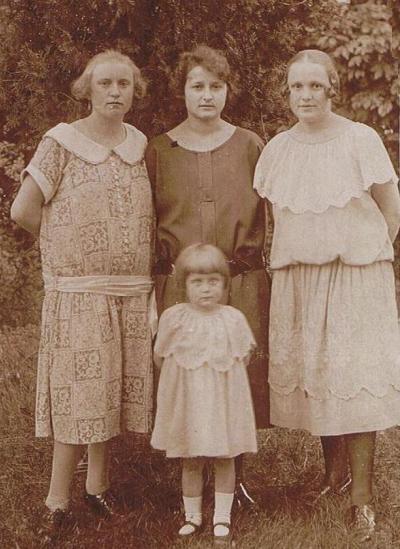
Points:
[(192, 514), (222, 512)]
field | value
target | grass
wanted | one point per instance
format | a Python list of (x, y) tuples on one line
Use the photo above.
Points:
[(284, 476)]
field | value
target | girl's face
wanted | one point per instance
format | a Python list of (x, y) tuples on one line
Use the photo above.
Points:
[(205, 290), (308, 88), (205, 94), (111, 89)]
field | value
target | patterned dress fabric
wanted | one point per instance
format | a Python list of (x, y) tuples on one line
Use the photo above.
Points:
[(204, 404), (209, 197), (95, 367), (334, 334)]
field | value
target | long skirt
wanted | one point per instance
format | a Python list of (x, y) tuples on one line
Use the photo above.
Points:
[(334, 348), (95, 376), (250, 293)]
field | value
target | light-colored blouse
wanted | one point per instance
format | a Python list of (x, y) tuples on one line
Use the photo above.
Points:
[(219, 338), (322, 205)]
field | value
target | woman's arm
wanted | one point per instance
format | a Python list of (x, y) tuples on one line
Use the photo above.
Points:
[(388, 199), (26, 209)]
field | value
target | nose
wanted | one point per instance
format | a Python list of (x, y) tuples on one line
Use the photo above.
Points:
[(114, 90), (207, 95), (205, 287), (306, 93)]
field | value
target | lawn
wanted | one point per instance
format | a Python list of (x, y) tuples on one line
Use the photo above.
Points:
[(284, 476)]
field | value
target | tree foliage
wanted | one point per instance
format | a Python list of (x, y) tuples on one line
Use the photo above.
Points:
[(45, 45), (366, 51)]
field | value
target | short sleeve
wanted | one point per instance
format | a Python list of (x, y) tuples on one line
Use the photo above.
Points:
[(242, 338), (47, 166), (168, 327), (374, 161), (269, 158)]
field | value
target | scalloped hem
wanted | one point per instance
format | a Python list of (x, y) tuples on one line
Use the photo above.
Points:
[(340, 203), (335, 416), (285, 391)]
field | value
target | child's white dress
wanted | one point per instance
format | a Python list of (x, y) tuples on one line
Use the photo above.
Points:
[(204, 405)]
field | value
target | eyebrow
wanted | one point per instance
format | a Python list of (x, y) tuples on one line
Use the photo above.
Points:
[(312, 82)]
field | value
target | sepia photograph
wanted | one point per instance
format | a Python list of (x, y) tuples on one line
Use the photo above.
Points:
[(199, 274)]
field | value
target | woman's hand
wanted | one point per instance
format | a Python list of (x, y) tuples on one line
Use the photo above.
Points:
[(26, 209), (388, 199)]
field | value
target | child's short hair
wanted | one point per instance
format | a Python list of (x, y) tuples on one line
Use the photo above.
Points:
[(201, 258)]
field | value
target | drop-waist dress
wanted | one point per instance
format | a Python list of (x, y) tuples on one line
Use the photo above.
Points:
[(334, 335), (95, 368), (209, 197)]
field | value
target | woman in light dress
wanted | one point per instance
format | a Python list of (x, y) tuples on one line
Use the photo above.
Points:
[(334, 338), (86, 194)]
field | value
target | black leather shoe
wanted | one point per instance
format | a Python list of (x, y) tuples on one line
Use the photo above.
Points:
[(103, 504), (242, 496), (52, 523), (339, 489), (362, 522)]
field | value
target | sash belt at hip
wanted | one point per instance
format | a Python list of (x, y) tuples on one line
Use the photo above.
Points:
[(116, 285)]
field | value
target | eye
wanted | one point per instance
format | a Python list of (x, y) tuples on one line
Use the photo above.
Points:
[(317, 86), (217, 86), (124, 83), (296, 86)]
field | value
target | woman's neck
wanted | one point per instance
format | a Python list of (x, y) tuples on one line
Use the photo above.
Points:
[(204, 127), (202, 135), (319, 125), (109, 132)]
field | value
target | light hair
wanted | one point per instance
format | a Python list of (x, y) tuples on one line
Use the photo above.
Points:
[(201, 259), (320, 58), (81, 86)]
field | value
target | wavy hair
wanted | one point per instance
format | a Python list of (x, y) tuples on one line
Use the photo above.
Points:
[(81, 86), (210, 59)]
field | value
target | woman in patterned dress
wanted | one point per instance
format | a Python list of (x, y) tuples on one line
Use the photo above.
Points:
[(201, 173), (334, 336), (86, 194)]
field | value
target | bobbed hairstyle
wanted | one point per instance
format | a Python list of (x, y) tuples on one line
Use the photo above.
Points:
[(210, 59), (320, 58), (201, 259), (81, 86)]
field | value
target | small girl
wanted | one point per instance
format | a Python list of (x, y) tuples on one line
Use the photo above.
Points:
[(204, 405)]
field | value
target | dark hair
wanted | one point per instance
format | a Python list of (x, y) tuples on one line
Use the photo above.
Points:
[(320, 58), (81, 86), (201, 258), (209, 58)]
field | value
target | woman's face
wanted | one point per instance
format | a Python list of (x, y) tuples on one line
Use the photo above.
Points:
[(111, 89), (205, 94), (308, 91)]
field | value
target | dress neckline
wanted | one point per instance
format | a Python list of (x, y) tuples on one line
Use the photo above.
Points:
[(311, 140), (174, 143)]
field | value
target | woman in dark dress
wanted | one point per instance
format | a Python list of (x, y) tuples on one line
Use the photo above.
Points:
[(201, 172)]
